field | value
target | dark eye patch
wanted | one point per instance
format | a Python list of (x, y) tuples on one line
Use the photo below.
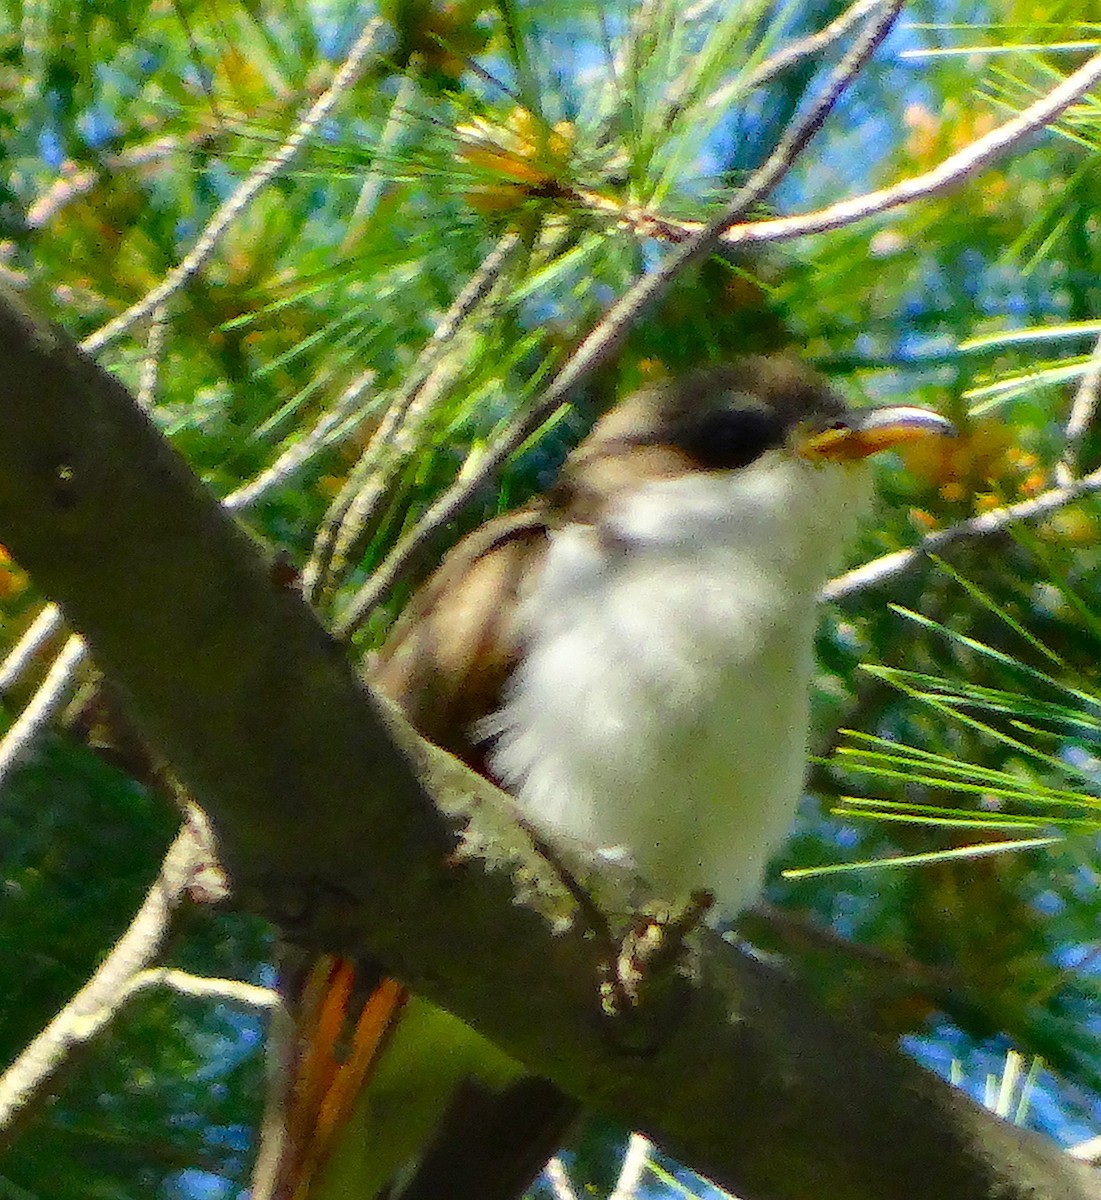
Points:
[(727, 438)]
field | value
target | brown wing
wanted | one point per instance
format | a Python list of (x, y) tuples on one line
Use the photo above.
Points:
[(448, 657)]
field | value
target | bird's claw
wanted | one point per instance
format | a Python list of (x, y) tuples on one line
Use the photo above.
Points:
[(638, 977)]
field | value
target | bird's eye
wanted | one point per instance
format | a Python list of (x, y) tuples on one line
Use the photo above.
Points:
[(728, 438)]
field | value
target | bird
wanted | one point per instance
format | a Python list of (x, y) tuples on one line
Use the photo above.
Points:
[(630, 655)]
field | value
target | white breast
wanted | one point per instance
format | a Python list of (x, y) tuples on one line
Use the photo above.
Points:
[(661, 705)]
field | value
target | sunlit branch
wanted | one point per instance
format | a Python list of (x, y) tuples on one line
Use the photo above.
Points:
[(631, 1170), (375, 180), (1082, 412), (1088, 1151), (249, 188), (948, 174), (997, 520), (228, 991), (44, 705), (793, 53), (35, 636), (154, 352), (342, 533), (279, 1051), (76, 183), (304, 448), (556, 1178), (96, 1003)]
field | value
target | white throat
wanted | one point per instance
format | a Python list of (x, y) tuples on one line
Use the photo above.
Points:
[(661, 704)]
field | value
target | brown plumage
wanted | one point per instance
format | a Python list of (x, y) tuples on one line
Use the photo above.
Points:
[(447, 663), (448, 657)]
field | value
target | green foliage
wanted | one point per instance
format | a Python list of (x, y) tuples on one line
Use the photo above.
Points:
[(584, 133)]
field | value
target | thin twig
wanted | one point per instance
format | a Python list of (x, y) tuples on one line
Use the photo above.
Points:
[(297, 455), (941, 178), (151, 363), (375, 179), (249, 188), (1088, 1151), (342, 532), (229, 991), (948, 174), (279, 1053), (35, 636), (635, 1157), (75, 182), (606, 335), (795, 140), (793, 53), (997, 520), (765, 179), (555, 1176), (1082, 412), (98, 1000), (43, 707)]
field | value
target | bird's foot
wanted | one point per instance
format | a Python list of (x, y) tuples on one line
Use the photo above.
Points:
[(639, 980)]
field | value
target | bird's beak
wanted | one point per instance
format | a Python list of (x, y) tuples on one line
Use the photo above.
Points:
[(869, 430)]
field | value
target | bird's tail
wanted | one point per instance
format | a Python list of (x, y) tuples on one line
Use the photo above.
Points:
[(342, 1016), (385, 1095)]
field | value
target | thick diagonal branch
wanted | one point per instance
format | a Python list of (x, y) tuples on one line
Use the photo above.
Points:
[(336, 821)]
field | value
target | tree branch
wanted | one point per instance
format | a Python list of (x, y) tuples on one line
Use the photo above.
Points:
[(21, 736), (953, 171), (249, 188), (320, 797), (946, 175), (1082, 413), (19, 659), (635, 1158), (201, 987), (61, 678), (794, 52), (112, 984), (996, 520), (342, 535), (348, 411)]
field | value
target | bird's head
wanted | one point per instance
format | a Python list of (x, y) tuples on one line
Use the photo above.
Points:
[(760, 454)]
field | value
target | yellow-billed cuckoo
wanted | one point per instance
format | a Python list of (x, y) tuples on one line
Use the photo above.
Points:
[(630, 656)]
